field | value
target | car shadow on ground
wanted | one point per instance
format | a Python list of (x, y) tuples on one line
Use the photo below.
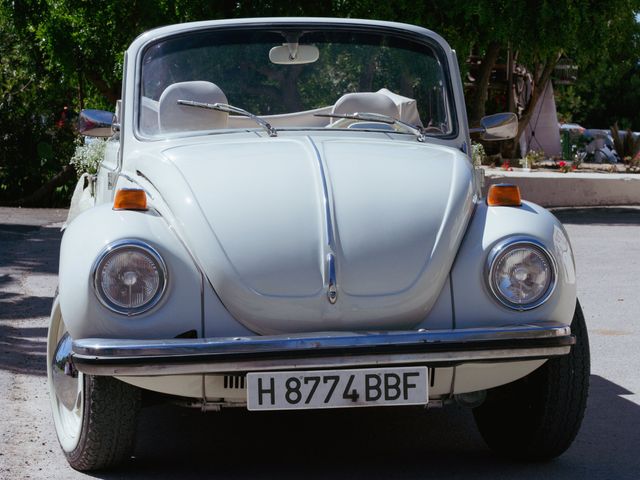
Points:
[(598, 215), (30, 249), (370, 443), (26, 254), (23, 350), (14, 306)]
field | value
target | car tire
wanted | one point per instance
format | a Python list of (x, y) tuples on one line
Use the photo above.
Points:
[(537, 417), (109, 424), (96, 428)]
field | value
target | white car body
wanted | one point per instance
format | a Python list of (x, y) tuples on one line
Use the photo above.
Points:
[(320, 233)]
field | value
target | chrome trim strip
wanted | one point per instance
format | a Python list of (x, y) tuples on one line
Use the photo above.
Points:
[(514, 242), (325, 193), (332, 281), (332, 290), (208, 355), (201, 367)]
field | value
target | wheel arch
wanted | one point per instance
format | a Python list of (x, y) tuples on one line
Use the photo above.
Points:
[(178, 311), (474, 304)]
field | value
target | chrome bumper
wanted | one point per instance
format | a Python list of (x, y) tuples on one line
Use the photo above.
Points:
[(99, 356)]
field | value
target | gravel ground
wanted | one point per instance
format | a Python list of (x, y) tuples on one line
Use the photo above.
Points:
[(29, 245), (368, 443)]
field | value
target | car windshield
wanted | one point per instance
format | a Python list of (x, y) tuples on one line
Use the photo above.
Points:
[(306, 78)]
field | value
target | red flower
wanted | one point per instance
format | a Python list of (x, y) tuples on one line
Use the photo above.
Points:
[(562, 164)]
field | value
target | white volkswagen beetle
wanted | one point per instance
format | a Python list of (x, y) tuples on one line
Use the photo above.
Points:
[(287, 217)]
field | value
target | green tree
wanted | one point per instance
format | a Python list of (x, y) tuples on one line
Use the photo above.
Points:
[(607, 89), (539, 33), (36, 138), (69, 53)]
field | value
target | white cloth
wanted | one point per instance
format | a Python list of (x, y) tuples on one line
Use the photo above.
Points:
[(407, 107), (366, 102), (81, 200)]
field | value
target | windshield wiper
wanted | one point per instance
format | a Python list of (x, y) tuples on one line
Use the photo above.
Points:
[(223, 107), (378, 117)]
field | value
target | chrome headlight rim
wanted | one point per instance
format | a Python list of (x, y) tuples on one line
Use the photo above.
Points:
[(135, 244), (504, 247)]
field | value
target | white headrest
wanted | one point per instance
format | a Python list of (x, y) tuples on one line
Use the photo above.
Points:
[(366, 102), (174, 117)]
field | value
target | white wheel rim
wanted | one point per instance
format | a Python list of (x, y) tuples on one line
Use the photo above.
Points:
[(68, 423)]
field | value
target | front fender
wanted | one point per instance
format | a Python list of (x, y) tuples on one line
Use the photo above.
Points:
[(180, 309), (474, 304)]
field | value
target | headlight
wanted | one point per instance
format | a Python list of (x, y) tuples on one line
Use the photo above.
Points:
[(521, 274), (129, 277)]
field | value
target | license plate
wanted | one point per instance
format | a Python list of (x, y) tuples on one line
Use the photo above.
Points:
[(337, 388)]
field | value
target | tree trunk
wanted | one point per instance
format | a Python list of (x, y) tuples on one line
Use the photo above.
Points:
[(41, 196), (112, 94), (540, 82), (476, 108)]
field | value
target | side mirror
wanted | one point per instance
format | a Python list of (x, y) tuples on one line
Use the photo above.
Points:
[(501, 126), (95, 123)]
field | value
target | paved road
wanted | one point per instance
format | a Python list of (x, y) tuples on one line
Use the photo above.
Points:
[(176, 443)]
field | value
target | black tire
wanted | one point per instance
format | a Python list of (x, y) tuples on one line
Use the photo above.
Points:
[(537, 417), (109, 423)]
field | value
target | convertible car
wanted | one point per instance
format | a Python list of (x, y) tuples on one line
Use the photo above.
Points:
[(287, 217)]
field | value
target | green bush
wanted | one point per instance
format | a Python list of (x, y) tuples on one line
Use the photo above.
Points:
[(625, 145), (35, 140)]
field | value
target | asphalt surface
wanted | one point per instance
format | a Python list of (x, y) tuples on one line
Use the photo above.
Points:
[(368, 443)]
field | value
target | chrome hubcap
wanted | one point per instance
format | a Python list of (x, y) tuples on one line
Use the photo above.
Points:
[(66, 384), (64, 374)]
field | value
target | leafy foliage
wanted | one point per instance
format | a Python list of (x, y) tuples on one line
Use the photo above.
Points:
[(35, 137), (69, 53), (625, 143), (608, 87)]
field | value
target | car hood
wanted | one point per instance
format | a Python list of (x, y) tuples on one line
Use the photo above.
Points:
[(321, 233)]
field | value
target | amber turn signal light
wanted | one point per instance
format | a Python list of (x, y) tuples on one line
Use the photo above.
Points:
[(130, 199), (504, 195)]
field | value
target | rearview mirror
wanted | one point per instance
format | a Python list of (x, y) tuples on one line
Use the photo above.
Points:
[(293, 54), (501, 126), (95, 123)]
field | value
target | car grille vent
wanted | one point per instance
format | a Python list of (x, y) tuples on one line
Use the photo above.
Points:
[(234, 381)]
